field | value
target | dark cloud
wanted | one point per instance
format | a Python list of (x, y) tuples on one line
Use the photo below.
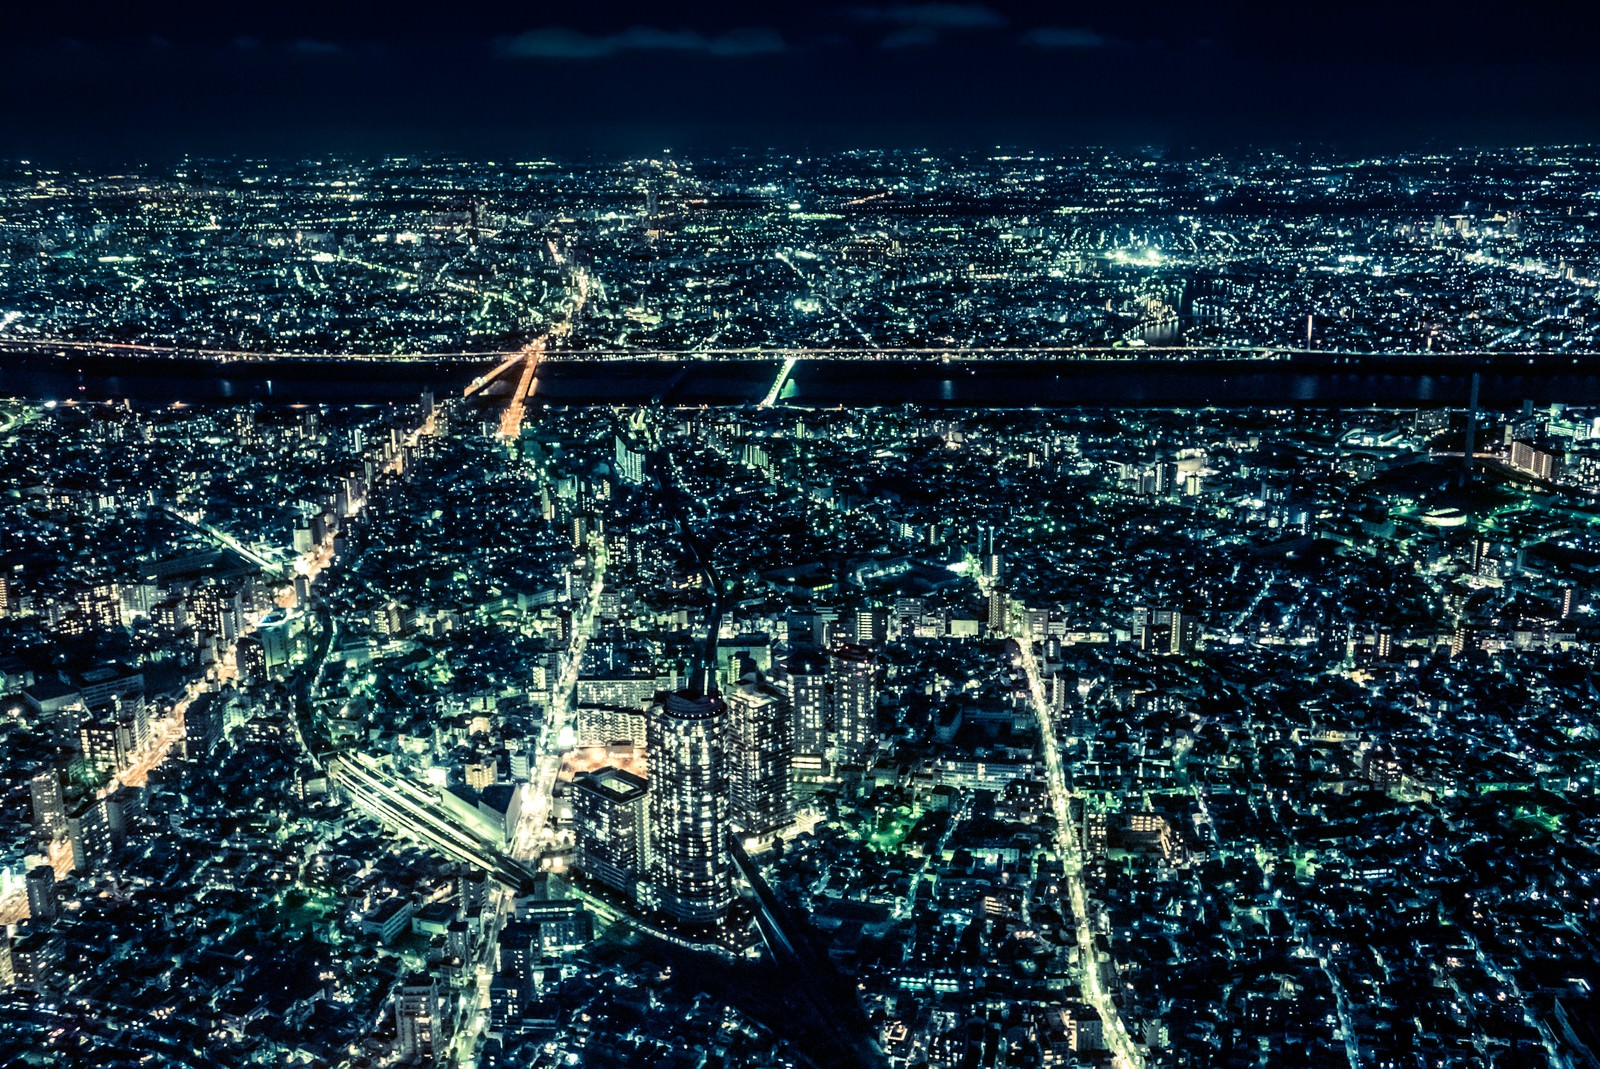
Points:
[(560, 42), (910, 37), (87, 79), (1063, 37), (309, 47), (932, 16)]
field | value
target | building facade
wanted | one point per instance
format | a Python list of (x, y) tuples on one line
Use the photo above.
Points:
[(608, 809), (688, 863), (852, 684), (760, 758)]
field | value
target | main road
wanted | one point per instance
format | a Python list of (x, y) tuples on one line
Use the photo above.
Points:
[(1125, 1053)]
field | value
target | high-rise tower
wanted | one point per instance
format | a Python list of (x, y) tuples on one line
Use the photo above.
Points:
[(805, 682), (418, 1034), (632, 446), (608, 807), (688, 859), (852, 682), (760, 756), (49, 812), (42, 894)]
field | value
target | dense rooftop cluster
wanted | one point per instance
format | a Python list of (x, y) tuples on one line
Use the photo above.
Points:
[(459, 730), (1192, 736), (1415, 253)]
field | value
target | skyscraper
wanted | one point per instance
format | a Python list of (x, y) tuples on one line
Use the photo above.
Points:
[(805, 682), (852, 684), (999, 605), (608, 808), (687, 853), (989, 560), (632, 445), (103, 750), (90, 835), (760, 756)]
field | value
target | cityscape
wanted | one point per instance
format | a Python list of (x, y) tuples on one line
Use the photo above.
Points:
[(1476, 251), (644, 651)]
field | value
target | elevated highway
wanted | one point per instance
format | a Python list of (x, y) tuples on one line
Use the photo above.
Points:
[(771, 917)]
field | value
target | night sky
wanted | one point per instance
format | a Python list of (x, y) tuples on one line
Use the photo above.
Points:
[(114, 81)]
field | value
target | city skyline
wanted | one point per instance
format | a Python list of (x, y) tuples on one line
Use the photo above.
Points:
[(927, 535)]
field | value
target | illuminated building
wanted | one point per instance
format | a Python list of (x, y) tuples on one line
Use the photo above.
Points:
[(631, 449), (805, 682), (103, 751), (49, 811), (688, 860), (1167, 632), (1533, 460), (480, 774), (36, 959), (557, 927), (90, 834), (216, 609), (998, 606), (852, 682), (416, 1018), (760, 757), (608, 807), (42, 893)]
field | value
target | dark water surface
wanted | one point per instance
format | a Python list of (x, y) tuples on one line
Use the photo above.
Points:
[(1069, 383), (1301, 381)]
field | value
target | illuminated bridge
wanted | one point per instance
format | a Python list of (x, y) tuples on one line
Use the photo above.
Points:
[(476, 359), (71, 348)]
